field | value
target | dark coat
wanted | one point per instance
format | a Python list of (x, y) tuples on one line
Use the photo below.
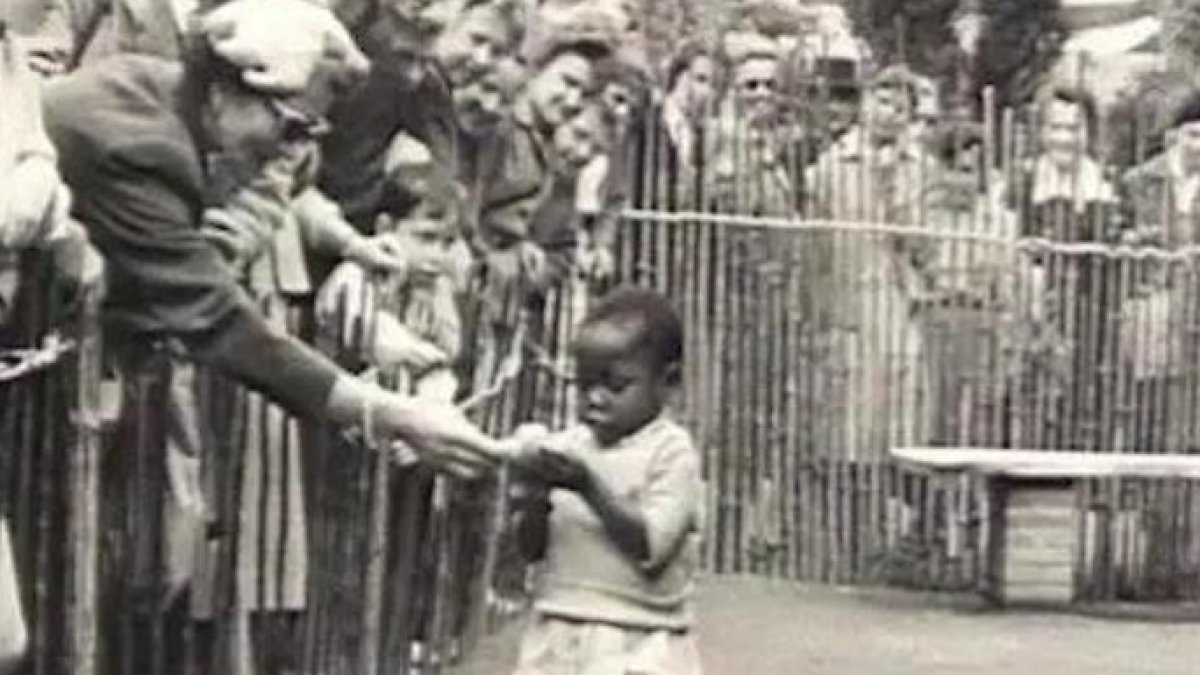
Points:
[(655, 169), (128, 149)]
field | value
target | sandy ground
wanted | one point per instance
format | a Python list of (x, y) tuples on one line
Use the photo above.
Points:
[(767, 628)]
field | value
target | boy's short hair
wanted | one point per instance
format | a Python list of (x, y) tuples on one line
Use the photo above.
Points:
[(660, 330), (1074, 96), (438, 188)]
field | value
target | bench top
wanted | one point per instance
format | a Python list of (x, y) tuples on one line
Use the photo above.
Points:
[(1050, 464)]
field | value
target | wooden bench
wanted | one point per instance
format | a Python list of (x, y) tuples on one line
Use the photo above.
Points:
[(1032, 525)]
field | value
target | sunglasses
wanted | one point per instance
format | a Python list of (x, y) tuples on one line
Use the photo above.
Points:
[(766, 85), (298, 124)]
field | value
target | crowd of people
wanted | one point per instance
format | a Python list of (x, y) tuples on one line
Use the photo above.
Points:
[(217, 170), (420, 177)]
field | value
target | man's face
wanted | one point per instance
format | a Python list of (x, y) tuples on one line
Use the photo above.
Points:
[(254, 126), (700, 85), (1187, 139), (479, 104), (1064, 135), (558, 90), (756, 87), (472, 45)]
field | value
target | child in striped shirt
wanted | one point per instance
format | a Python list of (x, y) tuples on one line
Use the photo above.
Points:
[(411, 319)]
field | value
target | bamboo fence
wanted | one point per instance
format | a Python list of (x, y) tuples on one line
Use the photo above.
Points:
[(839, 299), (842, 298)]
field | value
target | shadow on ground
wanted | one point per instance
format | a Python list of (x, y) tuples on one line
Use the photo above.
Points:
[(767, 628)]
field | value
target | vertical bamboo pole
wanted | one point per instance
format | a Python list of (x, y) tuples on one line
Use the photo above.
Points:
[(378, 502), (722, 376), (83, 520), (737, 365)]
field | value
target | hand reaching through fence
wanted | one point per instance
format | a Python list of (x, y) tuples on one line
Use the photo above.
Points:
[(438, 433), (77, 262), (382, 253)]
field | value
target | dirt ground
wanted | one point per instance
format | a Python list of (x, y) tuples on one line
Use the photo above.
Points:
[(767, 628)]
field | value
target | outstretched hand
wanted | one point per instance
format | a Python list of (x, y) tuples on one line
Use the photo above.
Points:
[(438, 434)]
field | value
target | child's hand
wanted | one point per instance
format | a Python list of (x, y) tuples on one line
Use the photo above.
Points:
[(561, 469)]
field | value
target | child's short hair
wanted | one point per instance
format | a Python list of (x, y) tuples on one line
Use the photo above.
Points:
[(660, 331), (438, 188)]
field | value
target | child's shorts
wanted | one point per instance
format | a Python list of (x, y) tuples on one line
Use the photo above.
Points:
[(553, 646)]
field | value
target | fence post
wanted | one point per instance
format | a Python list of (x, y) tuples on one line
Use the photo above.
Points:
[(84, 480)]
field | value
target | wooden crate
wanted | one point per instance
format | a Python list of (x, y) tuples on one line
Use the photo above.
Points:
[(1034, 541)]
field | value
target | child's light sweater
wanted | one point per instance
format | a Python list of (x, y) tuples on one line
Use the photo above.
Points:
[(586, 577)]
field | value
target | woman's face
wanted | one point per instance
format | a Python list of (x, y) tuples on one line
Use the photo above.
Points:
[(578, 141), (479, 104), (1187, 139), (888, 110), (700, 85), (472, 45), (557, 92)]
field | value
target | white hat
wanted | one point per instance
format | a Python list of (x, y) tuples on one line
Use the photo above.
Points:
[(282, 46)]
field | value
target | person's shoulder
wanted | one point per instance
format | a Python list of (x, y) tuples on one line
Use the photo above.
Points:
[(119, 76), (125, 108), (116, 90), (1155, 168), (667, 437)]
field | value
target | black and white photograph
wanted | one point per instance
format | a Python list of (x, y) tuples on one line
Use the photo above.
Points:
[(599, 337)]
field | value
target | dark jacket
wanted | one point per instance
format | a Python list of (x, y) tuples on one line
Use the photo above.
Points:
[(363, 125), (130, 154), (658, 180)]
